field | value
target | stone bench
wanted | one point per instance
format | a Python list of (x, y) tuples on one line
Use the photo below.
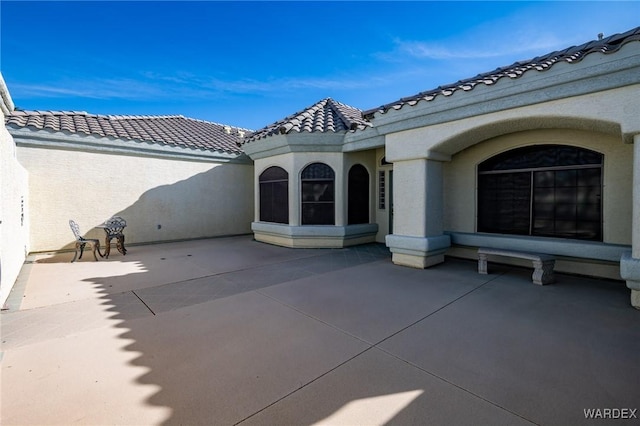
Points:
[(542, 263)]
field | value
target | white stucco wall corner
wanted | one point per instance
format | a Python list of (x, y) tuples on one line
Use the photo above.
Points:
[(417, 252), (418, 246), (629, 119), (630, 270), (368, 138), (14, 204), (6, 103), (266, 147), (436, 155)]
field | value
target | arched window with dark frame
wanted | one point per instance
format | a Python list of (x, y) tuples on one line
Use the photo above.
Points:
[(274, 195), (542, 190), (358, 193), (318, 195)]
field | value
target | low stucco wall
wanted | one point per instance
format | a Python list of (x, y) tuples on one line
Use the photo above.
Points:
[(14, 204), (162, 199), (460, 178)]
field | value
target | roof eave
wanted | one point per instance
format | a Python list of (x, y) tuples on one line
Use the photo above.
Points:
[(48, 139)]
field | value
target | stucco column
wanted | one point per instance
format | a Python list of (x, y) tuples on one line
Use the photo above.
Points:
[(294, 199), (256, 195), (630, 262), (418, 239), (340, 199)]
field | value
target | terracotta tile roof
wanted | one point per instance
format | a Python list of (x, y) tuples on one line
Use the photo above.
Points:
[(174, 130), (541, 63), (325, 116)]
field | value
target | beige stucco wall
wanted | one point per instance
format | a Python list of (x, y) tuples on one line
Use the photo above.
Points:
[(14, 213), (610, 112), (383, 216), (188, 199), (602, 120), (460, 177)]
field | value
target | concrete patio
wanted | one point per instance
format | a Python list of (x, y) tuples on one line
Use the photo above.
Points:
[(230, 331)]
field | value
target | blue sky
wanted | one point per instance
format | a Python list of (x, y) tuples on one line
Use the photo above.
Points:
[(249, 64)]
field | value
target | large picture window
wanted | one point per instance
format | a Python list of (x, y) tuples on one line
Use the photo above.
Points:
[(318, 195), (274, 195), (358, 206), (542, 190)]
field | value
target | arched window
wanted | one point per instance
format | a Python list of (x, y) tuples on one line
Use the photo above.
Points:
[(542, 190), (274, 195), (318, 195), (358, 205)]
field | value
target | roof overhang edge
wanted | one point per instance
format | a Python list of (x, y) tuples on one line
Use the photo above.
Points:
[(27, 137)]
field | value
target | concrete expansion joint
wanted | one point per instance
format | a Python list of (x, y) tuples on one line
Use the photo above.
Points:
[(437, 310), (143, 302), (304, 385)]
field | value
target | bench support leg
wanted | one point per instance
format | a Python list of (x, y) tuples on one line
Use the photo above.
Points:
[(482, 264), (543, 272)]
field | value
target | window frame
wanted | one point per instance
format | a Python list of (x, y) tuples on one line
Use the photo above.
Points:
[(307, 205), (592, 230), (356, 210), (274, 215)]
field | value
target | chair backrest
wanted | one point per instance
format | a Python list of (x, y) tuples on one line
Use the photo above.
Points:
[(116, 224), (75, 229)]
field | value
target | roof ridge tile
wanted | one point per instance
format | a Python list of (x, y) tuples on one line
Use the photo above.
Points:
[(326, 115)]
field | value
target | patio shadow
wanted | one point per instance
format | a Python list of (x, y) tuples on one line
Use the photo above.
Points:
[(231, 331)]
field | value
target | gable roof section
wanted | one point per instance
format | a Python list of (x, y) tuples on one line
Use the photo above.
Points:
[(570, 55), (324, 116), (173, 130)]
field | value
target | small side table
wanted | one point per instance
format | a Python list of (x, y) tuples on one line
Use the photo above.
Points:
[(114, 228)]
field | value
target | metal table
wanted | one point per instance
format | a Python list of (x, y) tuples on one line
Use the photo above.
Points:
[(114, 228)]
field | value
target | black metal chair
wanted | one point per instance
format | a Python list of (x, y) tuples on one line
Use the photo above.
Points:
[(114, 228), (81, 242)]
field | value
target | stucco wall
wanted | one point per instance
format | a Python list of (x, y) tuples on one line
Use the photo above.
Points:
[(609, 112), (161, 199), (14, 223), (460, 177), (383, 216)]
